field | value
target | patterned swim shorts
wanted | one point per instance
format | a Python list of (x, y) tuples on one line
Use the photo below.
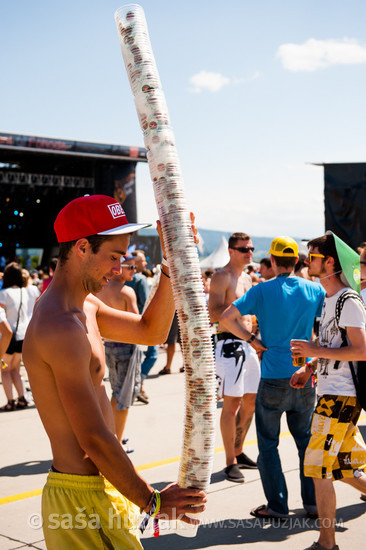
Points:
[(336, 448), (237, 368)]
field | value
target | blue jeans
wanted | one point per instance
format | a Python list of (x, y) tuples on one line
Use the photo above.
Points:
[(274, 397), (151, 355)]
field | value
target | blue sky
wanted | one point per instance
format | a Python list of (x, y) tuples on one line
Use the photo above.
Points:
[(256, 90)]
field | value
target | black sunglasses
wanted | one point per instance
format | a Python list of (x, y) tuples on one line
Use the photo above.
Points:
[(129, 267), (243, 249)]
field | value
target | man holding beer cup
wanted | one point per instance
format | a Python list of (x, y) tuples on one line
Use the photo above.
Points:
[(286, 308), (336, 450)]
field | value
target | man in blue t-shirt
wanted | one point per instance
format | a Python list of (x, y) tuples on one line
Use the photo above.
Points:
[(286, 308), (141, 287)]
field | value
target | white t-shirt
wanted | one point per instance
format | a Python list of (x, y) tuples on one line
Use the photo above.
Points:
[(33, 293), (363, 295), (339, 381), (10, 297), (2, 315)]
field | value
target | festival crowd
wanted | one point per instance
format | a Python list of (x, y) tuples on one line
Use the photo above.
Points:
[(288, 334)]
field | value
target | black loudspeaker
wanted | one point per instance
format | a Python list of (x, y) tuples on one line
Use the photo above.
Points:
[(345, 201)]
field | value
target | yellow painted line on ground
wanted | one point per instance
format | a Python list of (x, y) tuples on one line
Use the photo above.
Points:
[(157, 463), (148, 466), (176, 459), (20, 496)]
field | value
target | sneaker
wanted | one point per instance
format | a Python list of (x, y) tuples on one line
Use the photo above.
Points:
[(142, 397), (317, 546), (246, 463), (233, 473)]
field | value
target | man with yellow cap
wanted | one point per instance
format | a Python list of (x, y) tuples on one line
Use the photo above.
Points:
[(286, 308)]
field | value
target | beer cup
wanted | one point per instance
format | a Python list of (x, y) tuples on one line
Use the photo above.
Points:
[(298, 361)]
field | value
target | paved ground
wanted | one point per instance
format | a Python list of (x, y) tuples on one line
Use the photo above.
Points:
[(155, 432)]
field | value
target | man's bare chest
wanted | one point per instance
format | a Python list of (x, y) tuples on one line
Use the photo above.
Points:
[(237, 288)]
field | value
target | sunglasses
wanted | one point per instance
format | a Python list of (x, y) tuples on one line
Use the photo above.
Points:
[(363, 263), (129, 267), (243, 249), (311, 256)]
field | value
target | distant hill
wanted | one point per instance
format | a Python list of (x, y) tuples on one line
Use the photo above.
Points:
[(212, 238)]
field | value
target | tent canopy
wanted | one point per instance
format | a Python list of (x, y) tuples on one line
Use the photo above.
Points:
[(218, 258)]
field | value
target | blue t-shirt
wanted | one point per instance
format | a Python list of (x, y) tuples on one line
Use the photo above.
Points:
[(286, 308), (141, 287)]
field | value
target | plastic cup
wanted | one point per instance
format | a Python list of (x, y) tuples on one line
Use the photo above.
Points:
[(298, 361)]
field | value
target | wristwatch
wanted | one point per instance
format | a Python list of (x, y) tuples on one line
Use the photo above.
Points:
[(252, 336)]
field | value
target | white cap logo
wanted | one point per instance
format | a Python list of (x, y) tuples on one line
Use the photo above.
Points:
[(116, 210)]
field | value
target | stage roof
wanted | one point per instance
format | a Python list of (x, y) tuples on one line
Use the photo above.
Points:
[(17, 147)]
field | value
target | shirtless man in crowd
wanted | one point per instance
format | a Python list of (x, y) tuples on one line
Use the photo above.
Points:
[(237, 364), (123, 359), (64, 356)]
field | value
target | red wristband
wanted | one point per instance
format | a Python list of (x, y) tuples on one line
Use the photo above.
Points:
[(310, 367)]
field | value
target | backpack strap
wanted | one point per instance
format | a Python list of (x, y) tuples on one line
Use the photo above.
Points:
[(349, 293)]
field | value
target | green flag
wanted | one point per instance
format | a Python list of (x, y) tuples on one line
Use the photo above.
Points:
[(350, 263)]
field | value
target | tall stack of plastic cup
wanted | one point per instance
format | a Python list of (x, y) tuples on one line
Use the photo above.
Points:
[(199, 430)]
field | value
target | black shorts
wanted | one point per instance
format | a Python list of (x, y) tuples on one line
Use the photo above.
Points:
[(15, 346), (174, 334)]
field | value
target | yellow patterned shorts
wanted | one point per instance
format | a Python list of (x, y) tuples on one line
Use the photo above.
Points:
[(87, 513), (336, 448)]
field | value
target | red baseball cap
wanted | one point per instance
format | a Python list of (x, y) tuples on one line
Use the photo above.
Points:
[(93, 215)]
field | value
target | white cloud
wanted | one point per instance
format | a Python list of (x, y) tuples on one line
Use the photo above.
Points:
[(318, 54), (204, 80)]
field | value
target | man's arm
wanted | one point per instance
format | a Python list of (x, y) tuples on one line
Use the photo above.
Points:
[(6, 334), (153, 326), (71, 369), (300, 377), (216, 302), (356, 351), (149, 329), (231, 320)]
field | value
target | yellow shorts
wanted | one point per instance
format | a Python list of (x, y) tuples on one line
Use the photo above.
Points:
[(87, 513), (336, 448)]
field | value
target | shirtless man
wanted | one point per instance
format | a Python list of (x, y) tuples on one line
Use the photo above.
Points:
[(237, 363), (64, 356), (123, 359)]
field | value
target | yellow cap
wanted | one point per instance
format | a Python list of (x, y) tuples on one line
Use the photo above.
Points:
[(285, 247)]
